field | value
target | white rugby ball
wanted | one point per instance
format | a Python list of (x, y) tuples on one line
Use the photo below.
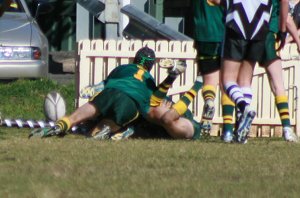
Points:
[(54, 106)]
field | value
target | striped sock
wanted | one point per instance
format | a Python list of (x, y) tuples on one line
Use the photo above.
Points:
[(209, 92), (227, 111), (209, 95), (182, 105), (160, 94), (247, 91), (283, 109), (63, 124), (236, 95)]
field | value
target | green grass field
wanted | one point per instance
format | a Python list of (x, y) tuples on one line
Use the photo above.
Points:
[(75, 166)]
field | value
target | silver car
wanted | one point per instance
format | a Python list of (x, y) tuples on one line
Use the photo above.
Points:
[(23, 46)]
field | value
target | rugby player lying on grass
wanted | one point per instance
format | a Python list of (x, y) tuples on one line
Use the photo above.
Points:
[(164, 119), (131, 87), (126, 95)]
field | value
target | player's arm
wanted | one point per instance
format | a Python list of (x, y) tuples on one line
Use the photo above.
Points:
[(284, 10), (281, 35), (292, 29)]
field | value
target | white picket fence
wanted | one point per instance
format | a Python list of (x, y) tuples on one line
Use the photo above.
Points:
[(97, 58)]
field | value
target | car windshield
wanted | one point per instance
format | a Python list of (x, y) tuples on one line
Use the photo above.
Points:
[(15, 6)]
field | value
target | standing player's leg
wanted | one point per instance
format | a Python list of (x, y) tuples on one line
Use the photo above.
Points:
[(227, 111), (209, 94), (273, 66), (230, 73), (208, 59), (236, 51), (245, 81), (274, 71)]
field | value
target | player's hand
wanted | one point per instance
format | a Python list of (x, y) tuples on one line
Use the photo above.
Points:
[(166, 103)]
